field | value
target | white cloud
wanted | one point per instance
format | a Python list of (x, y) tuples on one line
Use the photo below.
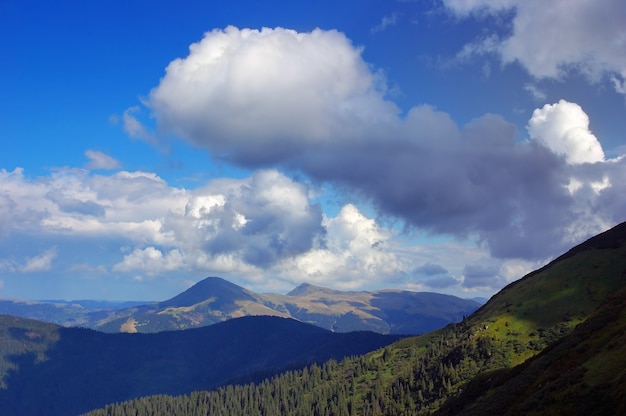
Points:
[(387, 21), (261, 219), (564, 128), (76, 202), (535, 92), (261, 95), (263, 230), (515, 201), (40, 263), (551, 39), (135, 129), (151, 261), (99, 160), (355, 252), (234, 95)]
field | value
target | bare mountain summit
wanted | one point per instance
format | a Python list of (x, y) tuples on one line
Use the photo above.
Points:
[(215, 300)]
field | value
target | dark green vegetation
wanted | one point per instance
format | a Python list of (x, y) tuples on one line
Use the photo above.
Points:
[(553, 342), (52, 370), (214, 300)]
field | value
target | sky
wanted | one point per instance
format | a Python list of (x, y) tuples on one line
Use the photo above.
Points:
[(447, 146)]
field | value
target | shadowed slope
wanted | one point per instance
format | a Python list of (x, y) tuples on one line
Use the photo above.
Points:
[(64, 371)]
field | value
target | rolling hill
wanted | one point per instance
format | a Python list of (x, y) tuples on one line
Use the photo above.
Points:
[(552, 342), (48, 369), (214, 300)]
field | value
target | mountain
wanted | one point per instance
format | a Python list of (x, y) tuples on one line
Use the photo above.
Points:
[(67, 313), (214, 300), (209, 301), (48, 369), (550, 343), (222, 295)]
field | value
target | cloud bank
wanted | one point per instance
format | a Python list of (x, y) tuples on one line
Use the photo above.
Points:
[(289, 105), (263, 229), (309, 103)]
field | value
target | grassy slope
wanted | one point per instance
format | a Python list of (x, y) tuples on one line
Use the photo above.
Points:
[(582, 374), (548, 304), (516, 324)]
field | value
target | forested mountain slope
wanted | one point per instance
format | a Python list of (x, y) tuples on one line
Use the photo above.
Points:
[(50, 370), (569, 316)]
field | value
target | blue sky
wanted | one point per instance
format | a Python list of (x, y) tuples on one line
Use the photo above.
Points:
[(435, 145)]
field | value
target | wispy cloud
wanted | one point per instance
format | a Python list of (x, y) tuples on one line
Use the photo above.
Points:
[(135, 129), (387, 21), (99, 160), (40, 263), (535, 92)]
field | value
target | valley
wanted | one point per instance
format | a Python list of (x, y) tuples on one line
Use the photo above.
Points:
[(550, 342)]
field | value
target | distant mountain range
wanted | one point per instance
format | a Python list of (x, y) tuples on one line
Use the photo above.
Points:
[(66, 313), (214, 300)]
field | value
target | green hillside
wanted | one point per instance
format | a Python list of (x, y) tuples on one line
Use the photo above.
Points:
[(571, 301), (584, 373)]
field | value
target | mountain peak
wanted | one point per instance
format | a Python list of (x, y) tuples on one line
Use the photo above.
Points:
[(307, 289), (223, 291)]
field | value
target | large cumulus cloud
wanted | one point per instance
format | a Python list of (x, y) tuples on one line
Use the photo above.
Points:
[(564, 128), (261, 219), (258, 96), (309, 103), (289, 105)]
